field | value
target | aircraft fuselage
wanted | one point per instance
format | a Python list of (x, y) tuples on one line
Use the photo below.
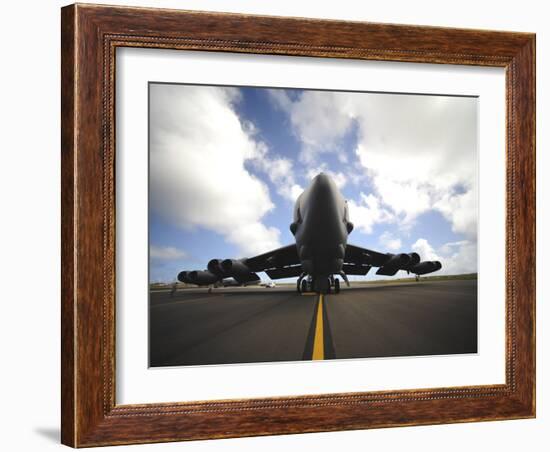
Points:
[(321, 227)]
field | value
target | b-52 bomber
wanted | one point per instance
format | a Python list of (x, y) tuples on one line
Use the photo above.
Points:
[(320, 253)]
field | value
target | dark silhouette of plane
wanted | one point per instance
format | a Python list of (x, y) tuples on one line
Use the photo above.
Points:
[(321, 253)]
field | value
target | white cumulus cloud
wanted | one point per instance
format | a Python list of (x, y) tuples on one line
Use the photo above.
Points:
[(198, 148), (427, 253), (166, 253), (368, 212), (280, 172), (315, 120), (455, 257), (389, 241), (420, 152)]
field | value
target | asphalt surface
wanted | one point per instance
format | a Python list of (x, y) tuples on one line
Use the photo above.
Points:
[(235, 325)]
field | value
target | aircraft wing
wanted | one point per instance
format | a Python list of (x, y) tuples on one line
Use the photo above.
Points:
[(280, 263), (281, 258), (358, 261), (358, 255)]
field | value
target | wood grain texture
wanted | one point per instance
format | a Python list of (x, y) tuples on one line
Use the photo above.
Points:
[(90, 36), (68, 147)]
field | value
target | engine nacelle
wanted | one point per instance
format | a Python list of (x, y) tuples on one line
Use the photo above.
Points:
[(202, 278), (414, 258), (235, 268), (399, 261), (214, 266), (184, 278), (426, 267)]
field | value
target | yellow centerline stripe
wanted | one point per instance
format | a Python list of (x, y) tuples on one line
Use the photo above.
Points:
[(318, 342)]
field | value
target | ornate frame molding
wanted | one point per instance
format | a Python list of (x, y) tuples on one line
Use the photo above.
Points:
[(90, 36)]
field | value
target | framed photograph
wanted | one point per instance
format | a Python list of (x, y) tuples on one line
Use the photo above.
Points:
[(282, 225)]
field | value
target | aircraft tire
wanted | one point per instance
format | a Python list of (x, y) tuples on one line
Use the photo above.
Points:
[(304, 286)]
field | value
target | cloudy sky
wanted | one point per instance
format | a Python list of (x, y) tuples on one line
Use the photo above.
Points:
[(226, 165)]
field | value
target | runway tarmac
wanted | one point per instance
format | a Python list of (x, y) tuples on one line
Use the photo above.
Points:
[(234, 325)]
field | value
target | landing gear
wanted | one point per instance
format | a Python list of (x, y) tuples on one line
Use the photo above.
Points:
[(333, 285), (345, 278), (336, 286), (304, 286), (300, 283)]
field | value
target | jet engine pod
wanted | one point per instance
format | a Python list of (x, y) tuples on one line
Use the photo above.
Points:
[(414, 259), (182, 277), (395, 263), (399, 260), (202, 278), (214, 266), (234, 267), (426, 267)]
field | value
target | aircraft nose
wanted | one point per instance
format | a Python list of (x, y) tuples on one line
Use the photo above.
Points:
[(324, 194), (321, 181), (321, 177)]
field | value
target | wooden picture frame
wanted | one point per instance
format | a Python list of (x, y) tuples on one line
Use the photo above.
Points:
[(90, 36)]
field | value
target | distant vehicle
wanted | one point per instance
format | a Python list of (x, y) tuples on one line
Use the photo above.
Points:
[(321, 227)]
